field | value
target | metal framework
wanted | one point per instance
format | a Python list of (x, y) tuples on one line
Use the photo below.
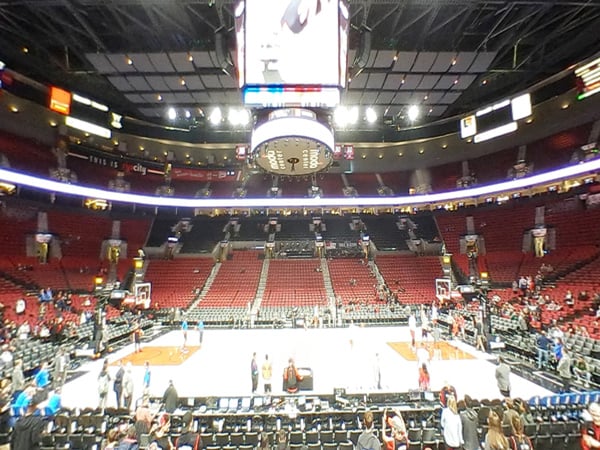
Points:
[(526, 41)]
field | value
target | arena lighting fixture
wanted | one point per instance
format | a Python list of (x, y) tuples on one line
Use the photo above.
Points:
[(413, 113), (215, 116), (88, 127), (84, 191), (171, 113), (371, 115)]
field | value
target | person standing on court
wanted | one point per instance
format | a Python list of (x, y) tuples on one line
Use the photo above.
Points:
[(267, 373), (127, 387), (118, 384), (200, 332), (503, 377), (254, 372)]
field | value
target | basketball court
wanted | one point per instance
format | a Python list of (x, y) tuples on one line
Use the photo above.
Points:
[(339, 358)]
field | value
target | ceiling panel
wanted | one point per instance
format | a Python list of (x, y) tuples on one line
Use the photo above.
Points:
[(376, 80), (463, 62), (384, 58), (438, 110), (204, 59), (135, 98), (464, 81), (385, 97), (402, 97), (139, 83), (445, 82), (424, 62), (151, 98), (482, 62), (228, 82), (184, 97), (193, 83), (352, 97), (450, 97), (181, 62), (157, 82), (119, 62), (393, 81), (211, 81), (161, 62), (428, 82), (100, 62), (120, 83), (404, 62), (369, 97), (174, 83), (433, 97), (359, 81), (443, 62), (201, 97), (168, 98), (141, 62), (218, 97), (411, 81)]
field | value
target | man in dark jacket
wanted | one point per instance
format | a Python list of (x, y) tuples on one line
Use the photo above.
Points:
[(170, 398), (28, 429), (469, 419), (188, 439)]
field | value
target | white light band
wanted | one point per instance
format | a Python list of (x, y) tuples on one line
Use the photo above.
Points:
[(463, 194), (88, 127)]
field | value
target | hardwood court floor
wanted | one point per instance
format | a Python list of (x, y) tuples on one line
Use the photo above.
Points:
[(158, 356), (442, 350)]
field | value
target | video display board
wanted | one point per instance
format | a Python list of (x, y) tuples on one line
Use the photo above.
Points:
[(293, 52)]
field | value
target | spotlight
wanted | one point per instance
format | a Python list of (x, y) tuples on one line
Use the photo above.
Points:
[(172, 114), (188, 114), (371, 115), (413, 113), (215, 116)]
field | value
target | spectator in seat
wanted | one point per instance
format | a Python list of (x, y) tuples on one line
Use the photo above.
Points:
[(509, 413), (495, 439), (590, 437), (188, 439), (130, 441), (582, 371), (367, 439), (447, 391), (28, 429), (470, 421), (398, 438), (518, 440)]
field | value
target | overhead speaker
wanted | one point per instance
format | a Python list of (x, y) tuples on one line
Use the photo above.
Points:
[(222, 51), (364, 49)]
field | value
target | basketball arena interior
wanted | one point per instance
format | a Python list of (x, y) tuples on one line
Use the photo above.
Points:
[(365, 189)]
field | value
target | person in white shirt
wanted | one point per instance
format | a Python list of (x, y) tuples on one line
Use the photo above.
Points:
[(423, 356), (412, 328), (451, 425)]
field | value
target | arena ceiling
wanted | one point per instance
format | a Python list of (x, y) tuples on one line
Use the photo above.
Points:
[(450, 56)]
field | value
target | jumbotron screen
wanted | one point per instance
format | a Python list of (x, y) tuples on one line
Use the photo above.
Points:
[(292, 52)]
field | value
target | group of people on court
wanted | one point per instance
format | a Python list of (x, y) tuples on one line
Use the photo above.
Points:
[(291, 376)]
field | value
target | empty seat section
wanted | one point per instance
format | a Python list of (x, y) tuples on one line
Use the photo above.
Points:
[(175, 283), (412, 278), (236, 281), (294, 283), (352, 281)]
